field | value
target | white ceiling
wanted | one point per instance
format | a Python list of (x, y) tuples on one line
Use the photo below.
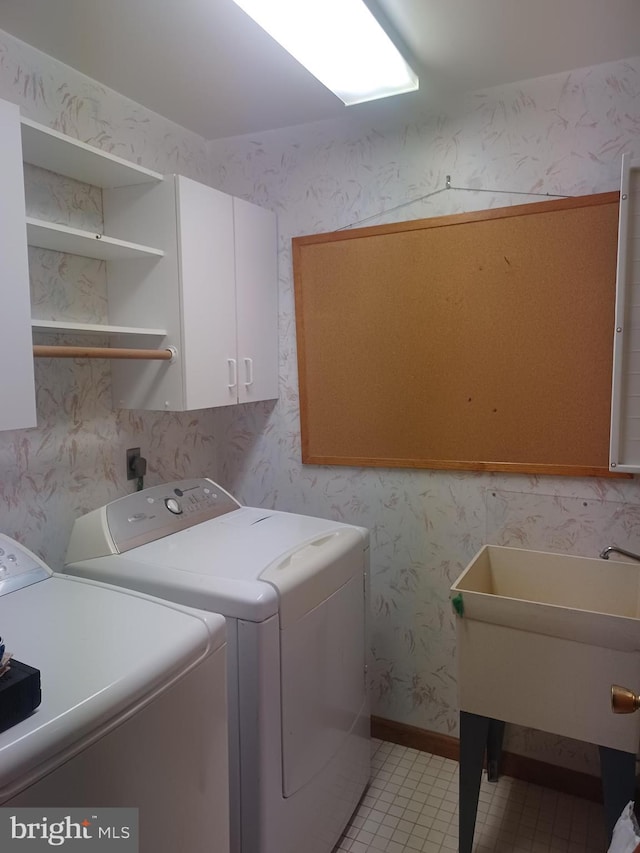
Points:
[(207, 66)]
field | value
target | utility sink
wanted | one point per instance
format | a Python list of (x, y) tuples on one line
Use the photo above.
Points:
[(542, 637), (580, 598)]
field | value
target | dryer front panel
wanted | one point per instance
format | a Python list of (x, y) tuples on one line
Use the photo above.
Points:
[(323, 682)]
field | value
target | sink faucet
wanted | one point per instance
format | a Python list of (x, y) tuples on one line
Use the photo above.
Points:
[(604, 554)]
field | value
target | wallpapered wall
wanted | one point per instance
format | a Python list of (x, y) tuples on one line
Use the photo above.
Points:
[(559, 134), (75, 459)]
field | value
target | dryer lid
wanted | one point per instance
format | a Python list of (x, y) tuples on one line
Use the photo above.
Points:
[(240, 564), (101, 652), (190, 541), (239, 545)]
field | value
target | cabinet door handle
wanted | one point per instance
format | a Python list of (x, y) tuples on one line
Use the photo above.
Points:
[(233, 373), (248, 366)]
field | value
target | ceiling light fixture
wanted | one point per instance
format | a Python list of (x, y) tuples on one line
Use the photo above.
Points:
[(340, 42)]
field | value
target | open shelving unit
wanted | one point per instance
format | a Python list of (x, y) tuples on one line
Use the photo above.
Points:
[(191, 279), (49, 149), (73, 241), (59, 326)]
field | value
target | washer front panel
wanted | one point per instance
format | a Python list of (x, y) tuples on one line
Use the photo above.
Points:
[(99, 651)]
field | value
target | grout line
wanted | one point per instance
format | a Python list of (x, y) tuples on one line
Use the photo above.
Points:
[(411, 806)]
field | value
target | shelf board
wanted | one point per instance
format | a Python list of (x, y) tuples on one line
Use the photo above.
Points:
[(51, 326), (62, 238), (49, 149)]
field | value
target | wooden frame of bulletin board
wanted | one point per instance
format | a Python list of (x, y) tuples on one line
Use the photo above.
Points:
[(478, 341)]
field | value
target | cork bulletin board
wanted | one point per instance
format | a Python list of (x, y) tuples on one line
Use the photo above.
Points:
[(478, 341)]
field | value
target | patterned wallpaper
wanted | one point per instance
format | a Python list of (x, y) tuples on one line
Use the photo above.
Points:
[(560, 134), (75, 459)]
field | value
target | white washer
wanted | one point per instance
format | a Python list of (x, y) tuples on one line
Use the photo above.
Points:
[(133, 710), (293, 589)]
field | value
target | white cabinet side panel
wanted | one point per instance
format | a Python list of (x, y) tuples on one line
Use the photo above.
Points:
[(17, 388), (625, 422), (145, 293), (205, 227), (257, 301)]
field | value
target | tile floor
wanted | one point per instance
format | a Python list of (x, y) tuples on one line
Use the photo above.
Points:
[(412, 805)]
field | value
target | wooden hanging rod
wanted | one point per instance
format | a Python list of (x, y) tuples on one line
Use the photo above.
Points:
[(40, 351)]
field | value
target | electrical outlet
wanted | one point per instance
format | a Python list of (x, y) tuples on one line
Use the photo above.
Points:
[(133, 455)]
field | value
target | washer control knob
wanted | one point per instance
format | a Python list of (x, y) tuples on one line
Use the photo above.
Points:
[(173, 506)]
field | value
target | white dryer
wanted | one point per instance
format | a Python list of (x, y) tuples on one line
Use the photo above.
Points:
[(133, 711), (293, 589)]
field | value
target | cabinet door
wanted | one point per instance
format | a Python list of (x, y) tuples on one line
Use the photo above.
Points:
[(256, 301), (17, 387), (624, 452), (205, 229)]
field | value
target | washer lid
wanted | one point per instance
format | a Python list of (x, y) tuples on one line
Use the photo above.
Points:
[(217, 565), (101, 652), (237, 546)]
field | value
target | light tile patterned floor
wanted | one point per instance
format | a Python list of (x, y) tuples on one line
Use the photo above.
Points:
[(412, 805)]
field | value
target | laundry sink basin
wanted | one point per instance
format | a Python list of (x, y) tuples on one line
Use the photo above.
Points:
[(580, 598), (542, 637)]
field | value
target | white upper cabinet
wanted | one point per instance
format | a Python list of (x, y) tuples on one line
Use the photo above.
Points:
[(214, 290), (624, 453), (256, 295), (189, 268), (17, 388), (205, 237)]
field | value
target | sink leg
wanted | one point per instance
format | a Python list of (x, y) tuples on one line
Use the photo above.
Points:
[(618, 771), (494, 749), (474, 732)]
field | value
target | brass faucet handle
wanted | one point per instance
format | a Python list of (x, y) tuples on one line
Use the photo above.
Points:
[(623, 701)]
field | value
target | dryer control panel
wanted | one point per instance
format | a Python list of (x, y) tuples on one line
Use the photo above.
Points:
[(147, 515), (161, 510), (19, 567)]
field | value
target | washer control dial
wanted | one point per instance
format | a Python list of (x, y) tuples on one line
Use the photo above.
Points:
[(173, 506)]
